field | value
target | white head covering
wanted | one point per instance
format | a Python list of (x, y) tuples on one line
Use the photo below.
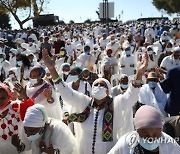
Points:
[(24, 45), (79, 46), (36, 116), (106, 81)]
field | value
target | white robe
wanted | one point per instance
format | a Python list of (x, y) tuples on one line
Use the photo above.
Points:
[(54, 109), (157, 99), (57, 134), (127, 61), (123, 147), (120, 124)]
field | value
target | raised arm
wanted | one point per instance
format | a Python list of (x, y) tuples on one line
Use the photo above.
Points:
[(77, 100), (130, 97)]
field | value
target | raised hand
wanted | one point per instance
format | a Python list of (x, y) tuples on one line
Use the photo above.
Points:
[(21, 91), (47, 93), (48, 61), (142, 66)]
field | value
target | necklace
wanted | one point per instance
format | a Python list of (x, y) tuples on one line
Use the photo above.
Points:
[(95, 131)]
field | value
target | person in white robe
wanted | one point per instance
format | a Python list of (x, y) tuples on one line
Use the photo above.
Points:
[(114, 45), (42, 134), (4, 64), (92, 140), (43, 93), (148, 137), (152, 94), (171, 61), (86, 60), (127, 62), (12, 58)]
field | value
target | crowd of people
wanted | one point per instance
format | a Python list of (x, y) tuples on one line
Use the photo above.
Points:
[(91, 88)]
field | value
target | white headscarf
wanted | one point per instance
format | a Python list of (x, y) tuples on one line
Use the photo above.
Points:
[(36, 116), (106, 81)]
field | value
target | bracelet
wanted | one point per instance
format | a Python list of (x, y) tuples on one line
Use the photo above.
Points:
[(57, 79)]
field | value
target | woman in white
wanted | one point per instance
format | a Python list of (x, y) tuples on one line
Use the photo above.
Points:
[(101, 116), (148, 137), (43, 93), (46, 135), (23, 68)]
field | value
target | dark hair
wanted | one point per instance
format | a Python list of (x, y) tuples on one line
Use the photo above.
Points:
[(25, 60), (41, 70)]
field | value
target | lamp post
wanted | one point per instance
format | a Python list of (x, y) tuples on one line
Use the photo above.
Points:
[(107, 9)]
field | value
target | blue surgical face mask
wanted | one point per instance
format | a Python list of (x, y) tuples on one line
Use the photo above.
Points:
[(150, 52), (152, 84), (128, 53), (124, 86), (1, 60), (74, 78), (87, 52), (149, 145), (35, 137), (19, 63), (11, 76)]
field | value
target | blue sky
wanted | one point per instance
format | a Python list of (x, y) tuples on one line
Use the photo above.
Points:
[(80, 10)]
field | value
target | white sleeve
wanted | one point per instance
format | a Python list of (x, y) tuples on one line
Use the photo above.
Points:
[(164, 62), (120, 147), (63, 139), (77, 100), (128, 99)]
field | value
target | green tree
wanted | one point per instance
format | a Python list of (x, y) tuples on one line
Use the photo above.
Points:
[(170, 6), (87, 21), (28, 8), (4, 21), (71, 22)]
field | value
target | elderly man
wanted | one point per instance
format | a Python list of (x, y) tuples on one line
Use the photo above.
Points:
[(171, 61), (43, 134), (152, 94), (98, 115), (122, 87), (148, 137)]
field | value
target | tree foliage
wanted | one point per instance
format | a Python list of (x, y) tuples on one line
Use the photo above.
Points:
[(170, 6), (28, 8), (71, 22), (87, 21), (4, 21)]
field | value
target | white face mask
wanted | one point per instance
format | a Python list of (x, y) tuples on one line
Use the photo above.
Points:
[(34, 137), (11, 76), (66, 73), (99, 92), (113, 41), (168, 49), (33, 81), (73, 78), (1, 60), (150, 52), (19, 63)]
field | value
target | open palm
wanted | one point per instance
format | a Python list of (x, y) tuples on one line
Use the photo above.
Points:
[(48, 61)]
